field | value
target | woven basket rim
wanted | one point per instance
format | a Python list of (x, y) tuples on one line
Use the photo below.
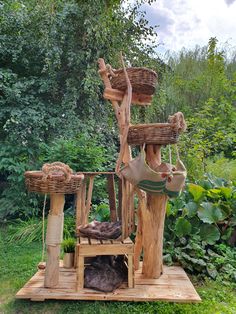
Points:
[(118, 71), (39, 174), (150, 125)]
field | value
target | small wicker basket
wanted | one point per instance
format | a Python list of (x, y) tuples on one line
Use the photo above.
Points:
[(54, 178), (157, 133), (143, 80)]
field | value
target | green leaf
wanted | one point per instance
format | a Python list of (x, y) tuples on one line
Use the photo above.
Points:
[(214, 193), (226, 191), (168, 210), (233, 220), (209, 213), (227, 233), (209, 233), (212, 271), (196, 190), (191, 209), (182, 227)]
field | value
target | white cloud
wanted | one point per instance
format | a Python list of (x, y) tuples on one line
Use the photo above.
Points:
[(186, 23)]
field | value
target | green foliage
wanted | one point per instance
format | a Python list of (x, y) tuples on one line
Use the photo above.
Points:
[(199, 227), (81, 153), (69, 226), (222, 167), (68, 245), (182, 227), (28, 231), (25, 231), (100, 212), (50, 91), (209, 233), (198, 83)]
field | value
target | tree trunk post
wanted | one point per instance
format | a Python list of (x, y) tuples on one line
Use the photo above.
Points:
[(153, 218)]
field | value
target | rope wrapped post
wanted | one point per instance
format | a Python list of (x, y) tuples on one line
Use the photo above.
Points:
[(56, 179), (53, 239)]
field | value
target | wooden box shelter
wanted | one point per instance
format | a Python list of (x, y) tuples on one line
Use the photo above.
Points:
[(148, 280), (88, 247)]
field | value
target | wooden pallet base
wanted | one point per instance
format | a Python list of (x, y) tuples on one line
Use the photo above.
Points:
[(174, 286)]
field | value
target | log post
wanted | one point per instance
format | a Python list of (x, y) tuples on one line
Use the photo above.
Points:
[(153, 218), (53, 239)]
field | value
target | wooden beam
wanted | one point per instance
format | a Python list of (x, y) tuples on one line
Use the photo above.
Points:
[(117, 95), (112, 197)]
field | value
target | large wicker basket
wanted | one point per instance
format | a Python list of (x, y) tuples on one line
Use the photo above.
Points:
[(54, 178), (143, 80), (157, 133)]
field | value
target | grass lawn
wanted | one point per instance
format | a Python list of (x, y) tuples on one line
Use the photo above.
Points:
[(19, 263)]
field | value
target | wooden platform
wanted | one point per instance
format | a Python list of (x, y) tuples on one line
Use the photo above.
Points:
[(174, 286)]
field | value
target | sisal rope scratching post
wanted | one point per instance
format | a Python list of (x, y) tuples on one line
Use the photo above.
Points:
[(53, 239)]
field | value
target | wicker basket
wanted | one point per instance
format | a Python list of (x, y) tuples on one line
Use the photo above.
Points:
[(143, 80), (158, 133), (54, 178)]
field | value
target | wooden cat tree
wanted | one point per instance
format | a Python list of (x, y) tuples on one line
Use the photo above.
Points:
[(151, 281), (152, 208)]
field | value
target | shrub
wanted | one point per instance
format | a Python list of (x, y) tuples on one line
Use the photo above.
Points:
[(200, 224), (222, 167)]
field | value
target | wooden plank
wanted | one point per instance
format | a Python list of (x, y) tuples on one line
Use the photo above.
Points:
[(95, 241), (173, 286), (112, 197), (131, 216), (83, 202), (105, 249), (89, 198), (138, 246), (116, 242), (80, 272), (119, 209), (79, 207), (117, 95), (130, 271), (84, 241), (106, 242), (127, 241)]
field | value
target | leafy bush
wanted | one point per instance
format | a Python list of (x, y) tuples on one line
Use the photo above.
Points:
[(50, 90), (222, 167), (81, 153), (199, 226), (100, 212)]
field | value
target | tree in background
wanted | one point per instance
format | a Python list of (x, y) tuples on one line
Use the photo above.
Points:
[(49, 86), (201, 84)]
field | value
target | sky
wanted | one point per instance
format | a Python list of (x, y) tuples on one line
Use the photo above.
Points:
[(187, 23)]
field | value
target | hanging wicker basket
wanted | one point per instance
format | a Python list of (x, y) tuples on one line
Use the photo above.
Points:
[(54, 178), (143, 80), (158, 133)]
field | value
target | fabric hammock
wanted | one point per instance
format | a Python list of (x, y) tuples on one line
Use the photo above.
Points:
[(170, 182)]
